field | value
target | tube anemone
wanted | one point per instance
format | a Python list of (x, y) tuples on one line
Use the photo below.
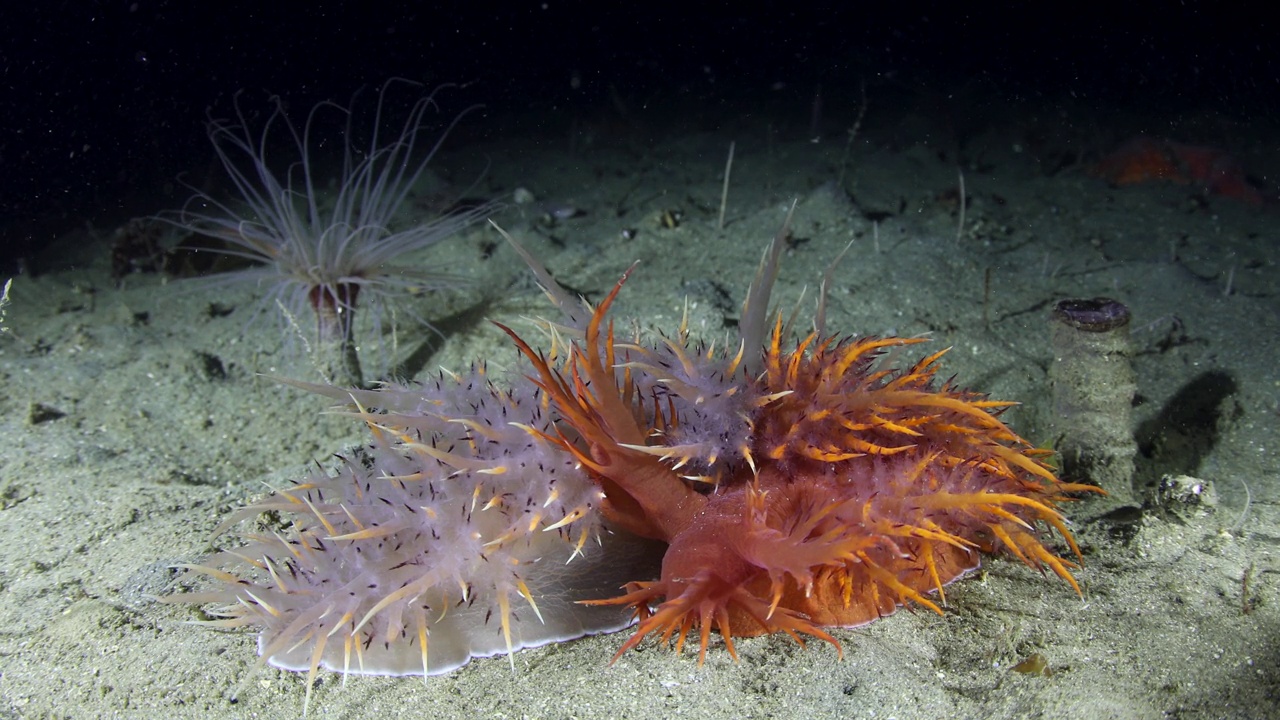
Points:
[(327, 249)]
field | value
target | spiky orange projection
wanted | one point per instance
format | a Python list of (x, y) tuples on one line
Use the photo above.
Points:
[(856, 489)]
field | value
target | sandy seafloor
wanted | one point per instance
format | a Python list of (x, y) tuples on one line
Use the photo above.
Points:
[(133, 422)]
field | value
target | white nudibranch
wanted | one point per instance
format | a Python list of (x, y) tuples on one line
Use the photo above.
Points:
[(456, 532)]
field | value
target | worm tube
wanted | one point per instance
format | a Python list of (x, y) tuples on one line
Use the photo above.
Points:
[(1093, 389)]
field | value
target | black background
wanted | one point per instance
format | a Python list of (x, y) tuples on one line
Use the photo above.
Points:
[(101, 102)]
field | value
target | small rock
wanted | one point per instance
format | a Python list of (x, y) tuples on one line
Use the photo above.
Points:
[(1183, 495)]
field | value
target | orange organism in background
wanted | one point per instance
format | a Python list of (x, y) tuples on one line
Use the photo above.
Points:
[(1145, 159)]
